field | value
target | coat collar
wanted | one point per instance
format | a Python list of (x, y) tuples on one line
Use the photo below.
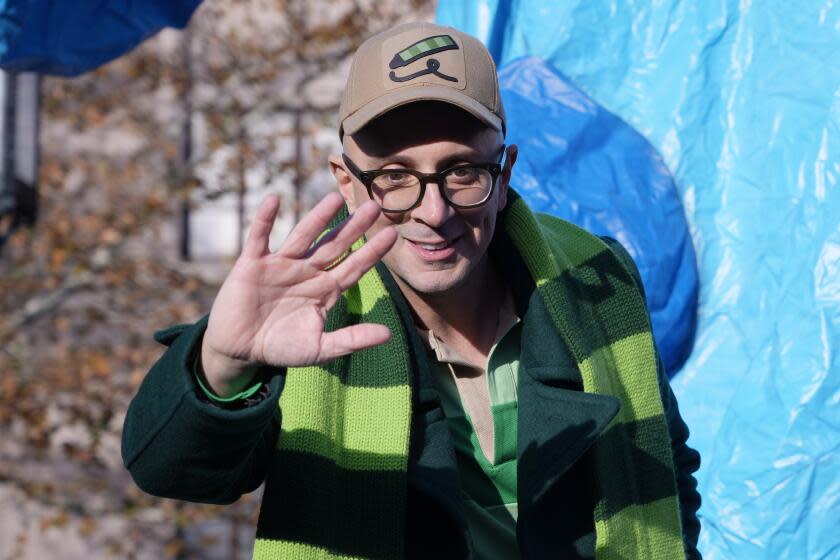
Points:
[(557, 421)]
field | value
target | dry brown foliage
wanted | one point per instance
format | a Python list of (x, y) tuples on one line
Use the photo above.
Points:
[(83, 290)]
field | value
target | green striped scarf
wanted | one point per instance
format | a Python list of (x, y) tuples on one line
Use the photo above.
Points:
[(338, 486)]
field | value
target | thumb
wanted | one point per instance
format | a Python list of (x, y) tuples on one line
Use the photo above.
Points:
[(352, 339)]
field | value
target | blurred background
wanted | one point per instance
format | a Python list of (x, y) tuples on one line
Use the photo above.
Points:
[(136, 140), (150, 168)]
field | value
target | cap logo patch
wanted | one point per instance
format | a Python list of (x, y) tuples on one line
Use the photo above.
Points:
[(421, 49)]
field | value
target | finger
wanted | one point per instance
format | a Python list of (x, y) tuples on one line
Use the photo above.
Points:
[(256, 245), (313, 223), (354, 267), (340, 239), (352, 339)]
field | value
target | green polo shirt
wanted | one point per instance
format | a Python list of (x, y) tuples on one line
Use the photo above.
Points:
[(488, 486)]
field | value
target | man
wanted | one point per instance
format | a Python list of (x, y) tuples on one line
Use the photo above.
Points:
[(442, 374)]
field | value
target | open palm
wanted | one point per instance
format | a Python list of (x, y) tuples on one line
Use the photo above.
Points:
[(272, 306)]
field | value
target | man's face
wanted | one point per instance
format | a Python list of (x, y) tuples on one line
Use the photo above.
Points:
[(438, 247)]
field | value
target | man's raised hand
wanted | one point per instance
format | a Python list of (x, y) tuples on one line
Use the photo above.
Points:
[(271, 307)]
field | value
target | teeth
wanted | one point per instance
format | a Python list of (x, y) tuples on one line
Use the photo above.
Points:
[(432, 246)]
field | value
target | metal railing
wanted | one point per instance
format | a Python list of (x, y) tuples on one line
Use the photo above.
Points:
[(20, 101)]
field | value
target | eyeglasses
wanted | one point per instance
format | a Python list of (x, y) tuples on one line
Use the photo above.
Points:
[(466, 185)]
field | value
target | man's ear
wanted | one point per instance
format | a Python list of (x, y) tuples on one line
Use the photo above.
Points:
[(343, 180), (504, 178)]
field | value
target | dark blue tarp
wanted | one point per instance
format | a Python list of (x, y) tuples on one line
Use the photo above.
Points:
[(742, 100), (68, 37)]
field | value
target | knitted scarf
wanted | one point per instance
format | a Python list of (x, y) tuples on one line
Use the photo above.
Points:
[(338, 486)]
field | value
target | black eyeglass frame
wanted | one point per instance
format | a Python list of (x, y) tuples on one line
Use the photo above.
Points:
[(367, 178)]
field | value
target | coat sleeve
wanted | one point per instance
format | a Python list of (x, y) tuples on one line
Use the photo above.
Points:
[(176, 444), (686, 463), (686, 459)]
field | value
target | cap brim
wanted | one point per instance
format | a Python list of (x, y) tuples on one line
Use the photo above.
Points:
[(404, 96)]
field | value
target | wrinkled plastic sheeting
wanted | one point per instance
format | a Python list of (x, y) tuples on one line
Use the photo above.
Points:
[(67, 38), (742, 100), (582, 163)]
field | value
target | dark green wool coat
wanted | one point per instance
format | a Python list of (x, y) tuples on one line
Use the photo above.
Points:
[(175, 444)]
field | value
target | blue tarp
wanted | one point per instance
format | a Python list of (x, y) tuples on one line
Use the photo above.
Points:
[(742, 101), (582, 163), (69, 37)]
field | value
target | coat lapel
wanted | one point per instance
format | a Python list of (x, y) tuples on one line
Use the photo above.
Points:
[(557, 422)]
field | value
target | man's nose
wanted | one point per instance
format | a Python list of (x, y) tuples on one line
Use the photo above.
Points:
[(433, 208)]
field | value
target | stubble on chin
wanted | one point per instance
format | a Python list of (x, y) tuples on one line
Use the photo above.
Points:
[(435, 280)]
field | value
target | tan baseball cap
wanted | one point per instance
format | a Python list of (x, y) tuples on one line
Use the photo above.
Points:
[(420, 62)]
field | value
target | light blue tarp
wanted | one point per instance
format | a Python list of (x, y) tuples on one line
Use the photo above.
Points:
[(742, 101), (68, 37)]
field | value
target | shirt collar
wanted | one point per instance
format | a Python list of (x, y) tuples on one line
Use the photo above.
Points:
[(446, 354)]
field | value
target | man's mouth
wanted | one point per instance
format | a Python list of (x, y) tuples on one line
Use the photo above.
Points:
[(433, 250)]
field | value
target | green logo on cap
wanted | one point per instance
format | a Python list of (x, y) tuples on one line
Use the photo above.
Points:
[(420, 49)]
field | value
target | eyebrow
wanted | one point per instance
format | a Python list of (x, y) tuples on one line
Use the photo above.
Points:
[(468, 156)]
